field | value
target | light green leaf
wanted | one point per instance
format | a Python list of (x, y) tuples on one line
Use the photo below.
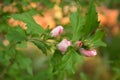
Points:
[(83, 76), (77, 22), (69, 60), (30, 23), (22, 44), (96, 39), (98, 35)]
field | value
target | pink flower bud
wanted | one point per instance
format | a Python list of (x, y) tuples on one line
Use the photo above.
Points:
[(88, 53), (79, 43), (57, 31), (63, 45)]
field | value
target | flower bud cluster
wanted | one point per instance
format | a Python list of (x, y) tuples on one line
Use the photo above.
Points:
[(64, 44)]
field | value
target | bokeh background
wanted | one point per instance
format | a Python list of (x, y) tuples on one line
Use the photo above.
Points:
[(104, 66)]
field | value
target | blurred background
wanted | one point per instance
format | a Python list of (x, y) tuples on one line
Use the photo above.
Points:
[(104, 66)]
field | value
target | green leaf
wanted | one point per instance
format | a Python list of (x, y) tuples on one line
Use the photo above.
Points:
[(1, 56), (99, 43), (42, 46), (77, 22), (47, 3), (44, 74), (7, 2), (56, 59), (73, 20), (3, 27), (24, 63), (69, 60), (91, 20), (22, 44), (96, 39), (98, 35), (7, 56), (83, 76), (16, 34), (30, 23)]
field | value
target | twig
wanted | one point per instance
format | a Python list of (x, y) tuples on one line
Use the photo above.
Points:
[(6, 69)]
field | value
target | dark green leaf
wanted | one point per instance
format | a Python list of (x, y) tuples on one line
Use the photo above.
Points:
[(91, 20), (47, 3), (3, 27), (44, 74), (24, 63), (41, 45), (16, 34), (56, 59), (1, 57), (6, 2)]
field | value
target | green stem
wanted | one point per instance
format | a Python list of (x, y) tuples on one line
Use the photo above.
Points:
[(6, 69)]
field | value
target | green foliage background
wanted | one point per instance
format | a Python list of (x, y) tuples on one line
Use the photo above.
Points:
[(45, 61)]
